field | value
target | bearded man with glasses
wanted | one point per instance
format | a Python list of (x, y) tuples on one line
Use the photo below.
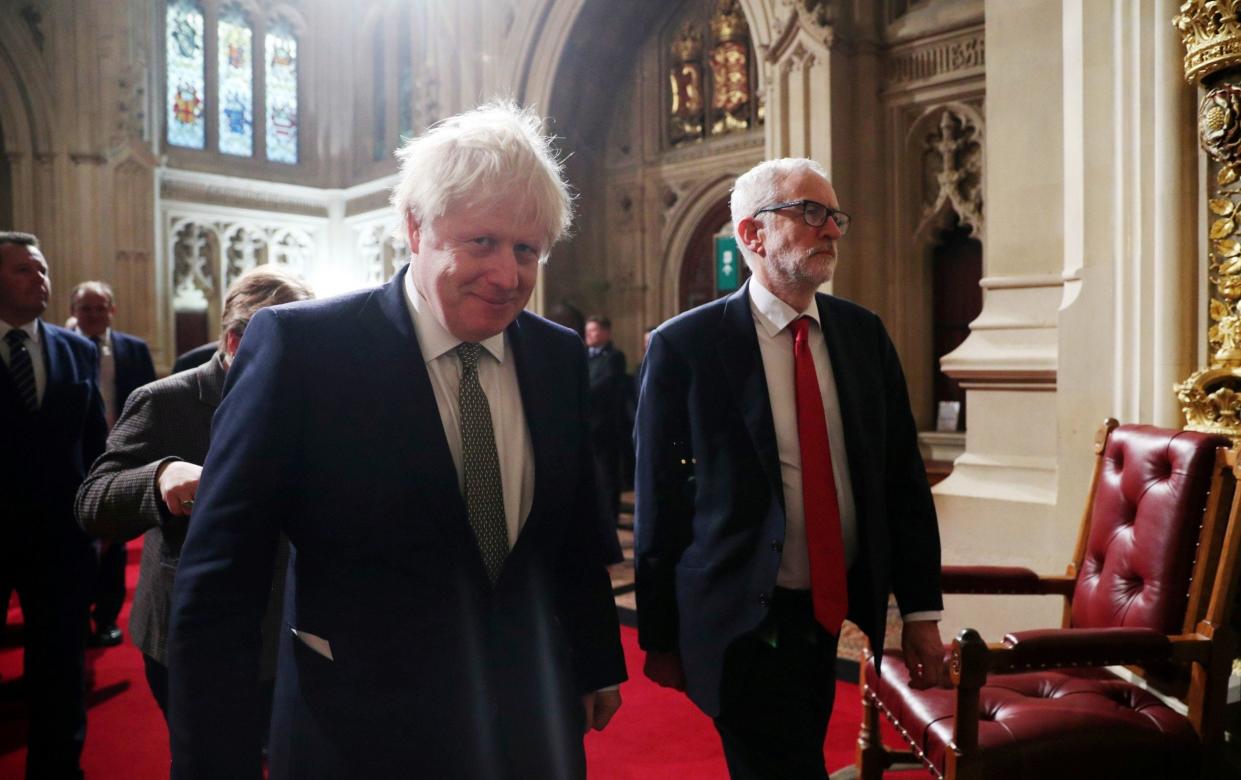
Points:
[(779, 488)]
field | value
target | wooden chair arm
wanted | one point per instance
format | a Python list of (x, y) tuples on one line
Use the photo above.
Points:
[(1068, 647), (1003, 579)]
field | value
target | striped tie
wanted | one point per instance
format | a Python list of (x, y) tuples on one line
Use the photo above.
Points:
[(484, 493), (21, 369)]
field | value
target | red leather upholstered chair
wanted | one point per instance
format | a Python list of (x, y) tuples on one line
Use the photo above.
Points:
[(1151, 585)]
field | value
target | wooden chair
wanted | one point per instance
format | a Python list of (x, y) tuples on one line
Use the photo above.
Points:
[(1151, 585)]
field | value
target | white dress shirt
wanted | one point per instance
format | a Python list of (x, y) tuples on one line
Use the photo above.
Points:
[(497, 373), (772, 318), (34, 345), (107, 375)]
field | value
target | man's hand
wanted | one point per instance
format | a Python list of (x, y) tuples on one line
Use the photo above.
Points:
[(665, 669), (600, 707), (178, 483), (924, 654)]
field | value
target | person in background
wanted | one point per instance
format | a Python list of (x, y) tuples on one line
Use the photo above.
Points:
[(52, 417), (124, 365), (607, 429), (146, 482)]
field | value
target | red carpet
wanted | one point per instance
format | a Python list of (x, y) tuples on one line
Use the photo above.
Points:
[(657, 733)]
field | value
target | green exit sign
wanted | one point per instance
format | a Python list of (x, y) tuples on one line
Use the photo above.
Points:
[(727, 264)]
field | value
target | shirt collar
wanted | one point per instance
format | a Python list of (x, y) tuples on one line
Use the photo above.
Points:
[(433, 338), (31, 328), (106, 338), (774, 315)]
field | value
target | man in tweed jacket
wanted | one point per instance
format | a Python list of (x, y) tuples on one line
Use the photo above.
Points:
[(145, 482)]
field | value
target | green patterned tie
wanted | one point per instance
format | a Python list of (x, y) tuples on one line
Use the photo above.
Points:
[(484, 493)]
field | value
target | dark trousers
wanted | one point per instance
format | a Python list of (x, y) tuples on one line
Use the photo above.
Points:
[(608, 489), (157, 681), (109, 584), (52, 580), (779, 683)]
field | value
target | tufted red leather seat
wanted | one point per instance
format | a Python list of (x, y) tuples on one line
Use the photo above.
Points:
[(1135, 566)]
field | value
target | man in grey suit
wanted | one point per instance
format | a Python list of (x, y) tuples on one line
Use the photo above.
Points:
[(147, 479)]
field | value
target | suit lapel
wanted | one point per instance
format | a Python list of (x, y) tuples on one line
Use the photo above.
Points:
[(400, 381), (537, 398), (57, 360), (743, 365)]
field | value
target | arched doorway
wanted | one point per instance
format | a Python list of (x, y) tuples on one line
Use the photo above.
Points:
[(956, 301), (710, 266)]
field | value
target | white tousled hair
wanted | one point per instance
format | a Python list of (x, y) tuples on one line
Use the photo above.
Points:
[(760, 186), (494, 154)]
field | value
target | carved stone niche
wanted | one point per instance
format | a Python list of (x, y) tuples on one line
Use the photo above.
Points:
[(952, 171)]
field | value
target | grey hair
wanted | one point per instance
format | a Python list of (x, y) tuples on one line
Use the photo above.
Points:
[(490, 154), (101, 288), (760, 186), (21, 239)]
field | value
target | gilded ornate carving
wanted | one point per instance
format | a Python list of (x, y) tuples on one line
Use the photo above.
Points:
[(1211, 32), (1218, 127), (1211, 397), (685, 82)]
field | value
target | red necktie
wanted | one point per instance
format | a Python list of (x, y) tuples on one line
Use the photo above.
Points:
[(828, 584)]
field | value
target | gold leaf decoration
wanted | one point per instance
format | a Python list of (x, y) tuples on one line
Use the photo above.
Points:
[(1221, 206), (1226, 176), (1218, 310), (1228, 248), (1231, 267), (1222, 228)]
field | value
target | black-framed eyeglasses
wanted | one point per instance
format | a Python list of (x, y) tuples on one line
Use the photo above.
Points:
[(814, 213)]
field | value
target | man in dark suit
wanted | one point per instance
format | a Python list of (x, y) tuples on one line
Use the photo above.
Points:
[(147, 480), (53, 422), (124, 365), (425, 447), (779, 488), (606, 365), (195, 357)]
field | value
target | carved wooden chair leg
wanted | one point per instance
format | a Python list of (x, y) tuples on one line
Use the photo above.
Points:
[(872, 759)]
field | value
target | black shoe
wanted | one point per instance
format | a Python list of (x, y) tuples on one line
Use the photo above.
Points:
[(106, 636)]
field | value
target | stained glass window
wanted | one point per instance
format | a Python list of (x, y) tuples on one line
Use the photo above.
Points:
[(236, 90), (379, 107), (405, 74), (281, 55), (185, 75)]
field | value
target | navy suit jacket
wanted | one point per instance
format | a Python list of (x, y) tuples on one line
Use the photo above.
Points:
[(329, 431), (48, 452), (134, 367), (710, 500)]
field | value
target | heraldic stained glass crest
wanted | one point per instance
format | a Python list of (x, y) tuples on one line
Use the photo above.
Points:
[(281, 49), (236, 89), (185, 69)]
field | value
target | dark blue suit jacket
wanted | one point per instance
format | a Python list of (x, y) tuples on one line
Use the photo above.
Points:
[(48, 452), (710, 499), (329, 431), (134, 367)]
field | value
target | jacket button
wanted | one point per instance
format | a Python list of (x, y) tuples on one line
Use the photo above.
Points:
[(763, 600), (776, 546)]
